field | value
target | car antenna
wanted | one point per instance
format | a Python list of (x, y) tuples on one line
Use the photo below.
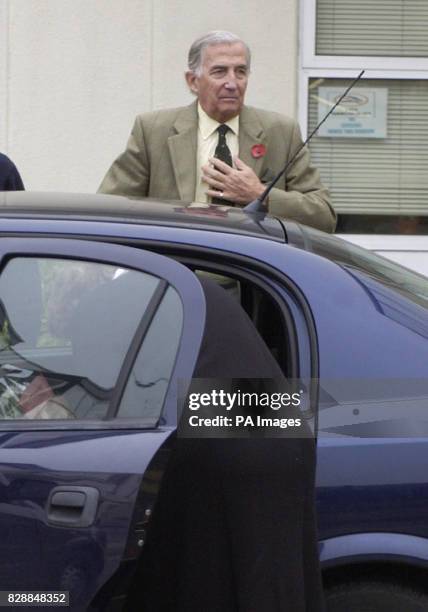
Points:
[(258, 205)]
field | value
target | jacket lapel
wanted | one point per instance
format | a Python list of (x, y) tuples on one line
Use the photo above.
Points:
[(250, 133), (182, 148)]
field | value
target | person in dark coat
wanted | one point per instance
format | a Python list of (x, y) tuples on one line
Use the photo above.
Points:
[(10, 179), (234, 526)]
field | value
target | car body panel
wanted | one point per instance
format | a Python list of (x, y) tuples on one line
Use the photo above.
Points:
[(361, 548), (34, 463), (118, 209), (372, 488)]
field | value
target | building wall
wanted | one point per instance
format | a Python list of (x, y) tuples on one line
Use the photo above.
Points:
[(74, 73)]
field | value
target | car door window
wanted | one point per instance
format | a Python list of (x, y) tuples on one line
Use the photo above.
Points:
[(150, 376), (66, 329)]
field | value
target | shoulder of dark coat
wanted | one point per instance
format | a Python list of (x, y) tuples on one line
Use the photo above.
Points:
[(6, 164)]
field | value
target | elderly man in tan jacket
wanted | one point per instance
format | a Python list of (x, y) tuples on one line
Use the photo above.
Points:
[(217, 149)]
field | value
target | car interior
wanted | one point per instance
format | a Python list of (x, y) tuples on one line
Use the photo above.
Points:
[(263, 311), (60, 354)]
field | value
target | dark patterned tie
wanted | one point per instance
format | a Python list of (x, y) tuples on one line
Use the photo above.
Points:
[(223, 153)]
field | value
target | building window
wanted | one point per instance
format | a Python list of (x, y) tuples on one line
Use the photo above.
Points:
[(373, 152), (395, 28)]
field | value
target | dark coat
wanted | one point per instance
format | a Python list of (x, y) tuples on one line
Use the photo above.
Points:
[(10, 179), (234, 528)]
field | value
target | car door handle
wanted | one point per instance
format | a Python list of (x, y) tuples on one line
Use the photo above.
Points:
[(70, 506)]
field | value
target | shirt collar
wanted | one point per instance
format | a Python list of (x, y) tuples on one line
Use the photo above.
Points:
[(208, 125)]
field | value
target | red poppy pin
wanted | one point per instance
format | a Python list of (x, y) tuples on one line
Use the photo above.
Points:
[(258, 150)]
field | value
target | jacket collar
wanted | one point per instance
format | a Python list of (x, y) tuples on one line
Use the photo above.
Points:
[(183, 145)]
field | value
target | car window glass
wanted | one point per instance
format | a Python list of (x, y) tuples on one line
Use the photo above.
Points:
[(410, 284), (148, 382), (65, 329)]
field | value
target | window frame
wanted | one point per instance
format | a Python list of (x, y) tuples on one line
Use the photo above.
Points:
[(140, 260), (312, 65)]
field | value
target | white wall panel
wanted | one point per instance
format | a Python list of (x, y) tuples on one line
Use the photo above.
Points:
[(80, 70), (4, 50), (74, 66), (270, 28)]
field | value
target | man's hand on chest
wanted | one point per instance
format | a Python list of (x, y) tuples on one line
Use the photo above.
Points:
[(239, 184)]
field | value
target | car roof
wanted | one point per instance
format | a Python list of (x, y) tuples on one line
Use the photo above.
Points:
[(145, 211)]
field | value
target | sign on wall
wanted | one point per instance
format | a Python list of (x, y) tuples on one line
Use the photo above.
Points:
[(361, 114)]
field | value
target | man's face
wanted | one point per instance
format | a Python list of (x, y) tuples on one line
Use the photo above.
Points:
[(224, 77)]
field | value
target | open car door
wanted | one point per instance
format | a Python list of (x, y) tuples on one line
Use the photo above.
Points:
[(93, 338)]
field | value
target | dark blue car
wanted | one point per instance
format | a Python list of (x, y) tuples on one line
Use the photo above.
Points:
[(101, 314)]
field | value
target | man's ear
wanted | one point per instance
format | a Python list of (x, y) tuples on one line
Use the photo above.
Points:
[(192, 81)]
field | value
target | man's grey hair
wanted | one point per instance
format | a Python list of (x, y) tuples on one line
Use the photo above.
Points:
[(216, 37)]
